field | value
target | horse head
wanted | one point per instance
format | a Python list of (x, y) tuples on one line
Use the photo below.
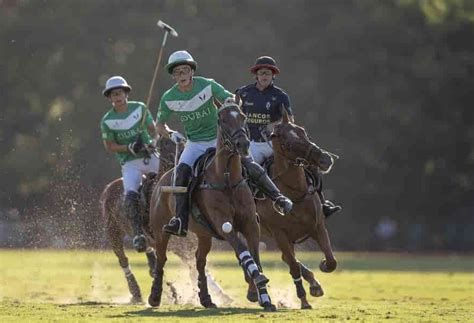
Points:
[(232, 128), (292, 142)]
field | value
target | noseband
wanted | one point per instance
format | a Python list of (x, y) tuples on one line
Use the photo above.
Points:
[(299, 161)]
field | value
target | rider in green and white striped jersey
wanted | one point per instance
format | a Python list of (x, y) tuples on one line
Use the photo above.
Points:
[(192, 100), (122, 135)]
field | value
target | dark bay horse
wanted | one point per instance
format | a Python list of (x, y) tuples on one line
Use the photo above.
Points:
[(117, 225), (225, 200), (292, 149)]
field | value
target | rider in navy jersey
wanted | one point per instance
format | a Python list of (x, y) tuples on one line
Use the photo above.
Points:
[(263, 103)]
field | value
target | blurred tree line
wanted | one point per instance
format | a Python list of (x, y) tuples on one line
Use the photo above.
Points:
[(387, 85)]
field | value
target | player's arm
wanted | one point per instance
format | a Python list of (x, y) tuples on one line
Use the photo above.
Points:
[(113, 147)]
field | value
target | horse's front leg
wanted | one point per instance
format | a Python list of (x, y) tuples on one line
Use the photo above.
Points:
[(288, 256), (251, 232), (204, 246), (151, 260), (161, 239), (250, 267), (321, 236)]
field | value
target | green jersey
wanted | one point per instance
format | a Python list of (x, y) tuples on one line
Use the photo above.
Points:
[(123, 128), (195, 109)]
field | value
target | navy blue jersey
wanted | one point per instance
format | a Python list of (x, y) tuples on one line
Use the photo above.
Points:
[(262, 107)]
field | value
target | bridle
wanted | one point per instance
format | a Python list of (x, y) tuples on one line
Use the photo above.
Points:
[(299, 161), (228, 138)]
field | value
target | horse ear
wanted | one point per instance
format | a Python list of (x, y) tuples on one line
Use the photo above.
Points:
[(284, 114)]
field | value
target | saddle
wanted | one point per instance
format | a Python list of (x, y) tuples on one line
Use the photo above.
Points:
[(199, 168)]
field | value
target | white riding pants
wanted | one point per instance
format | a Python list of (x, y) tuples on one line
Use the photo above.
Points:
[(194, 149), (260, 151), (133, 170)]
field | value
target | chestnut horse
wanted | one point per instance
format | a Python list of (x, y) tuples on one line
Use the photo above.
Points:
[(292, 149), (117, 225), (225, 200)]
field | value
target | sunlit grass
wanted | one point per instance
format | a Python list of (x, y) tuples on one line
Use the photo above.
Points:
[(89, 286)]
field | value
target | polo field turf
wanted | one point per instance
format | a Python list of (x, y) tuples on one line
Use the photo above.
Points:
[(78, 285)]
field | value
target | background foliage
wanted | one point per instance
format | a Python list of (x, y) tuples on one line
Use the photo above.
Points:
[(387, 85)]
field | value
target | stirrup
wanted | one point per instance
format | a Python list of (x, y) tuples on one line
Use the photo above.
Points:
[(175, 227), (280, 209)]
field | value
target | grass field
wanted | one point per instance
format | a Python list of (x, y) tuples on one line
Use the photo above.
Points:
[(51, 285)]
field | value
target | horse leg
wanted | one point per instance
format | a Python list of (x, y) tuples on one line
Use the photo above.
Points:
[(315, 288), (321, 236), (161, 241), (151, 259), (288, 256), (204, 246), (250, 231), (248, 264), (115, 236)]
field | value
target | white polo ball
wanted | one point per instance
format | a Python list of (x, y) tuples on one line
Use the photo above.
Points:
[(227, 227)]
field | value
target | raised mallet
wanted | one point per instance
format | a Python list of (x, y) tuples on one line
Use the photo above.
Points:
[(168, 30)]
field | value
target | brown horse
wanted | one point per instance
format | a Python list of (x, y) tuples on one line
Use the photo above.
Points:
[(117, 225), (225, 200), (293, 149)]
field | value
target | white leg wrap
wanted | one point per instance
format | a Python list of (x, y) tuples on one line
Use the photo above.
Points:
[(247, 261), (297, 280), (244, 254), (253, 267), (149, 250)]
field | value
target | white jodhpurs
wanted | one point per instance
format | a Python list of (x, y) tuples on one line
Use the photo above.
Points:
[(193, 150), (260, 151), (133, 170)]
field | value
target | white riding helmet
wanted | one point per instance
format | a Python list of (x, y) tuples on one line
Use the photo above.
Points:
[(116, 82), (180, 57)]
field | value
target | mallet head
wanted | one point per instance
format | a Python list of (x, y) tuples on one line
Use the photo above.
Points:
[(167, 28)]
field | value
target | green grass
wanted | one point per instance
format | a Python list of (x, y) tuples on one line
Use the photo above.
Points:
[(51, 285)]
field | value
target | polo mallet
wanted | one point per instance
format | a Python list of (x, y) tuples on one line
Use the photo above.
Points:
[(168, 30)]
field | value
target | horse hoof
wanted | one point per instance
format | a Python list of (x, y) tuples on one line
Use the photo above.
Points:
[(316, 291), (269, 307), (154, 301), (252, 296), (209, 305), (207, 302), (306, 306), (325, 267), (261, 280), (136, 300)]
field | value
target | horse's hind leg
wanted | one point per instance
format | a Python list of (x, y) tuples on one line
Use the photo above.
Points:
[(248, 264), (288, 256), (204, 246), (161, 240), (315, 288), (115, 236), (321, 236)]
